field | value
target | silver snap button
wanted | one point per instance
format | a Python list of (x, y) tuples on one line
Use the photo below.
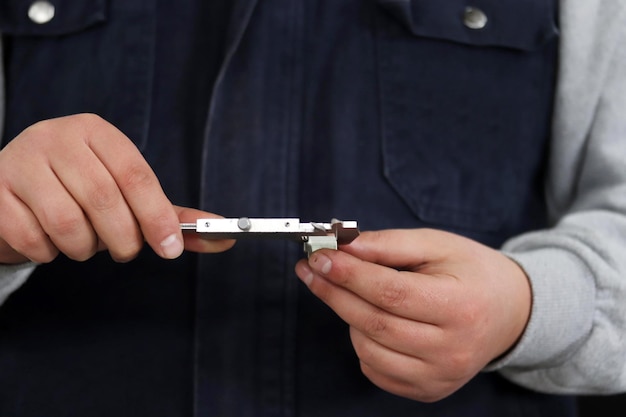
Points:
[(474, 18), (41, 12), (244, 224)]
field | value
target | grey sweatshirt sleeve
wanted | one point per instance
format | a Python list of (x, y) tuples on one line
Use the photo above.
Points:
[(12, 277), (575, 341)]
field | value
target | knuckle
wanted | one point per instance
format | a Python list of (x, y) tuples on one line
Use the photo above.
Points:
[(103, 196), (376, 323), (37, 129), (65, 224), (35, 246), (36, 136), (392, 294), (29, 240), (460, 362), (136, 178), (30, 243), (90, 121), (70, 234), (469, 314)]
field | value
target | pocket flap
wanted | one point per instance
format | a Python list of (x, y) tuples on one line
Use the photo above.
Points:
[(49, 17), (517, 24)]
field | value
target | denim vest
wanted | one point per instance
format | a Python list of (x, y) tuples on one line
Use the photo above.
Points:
[(392, 113)]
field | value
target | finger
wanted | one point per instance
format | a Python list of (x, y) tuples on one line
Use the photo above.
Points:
[(140, 188), (408, 376), (195, 242), (398, 333), (386, 368), (58, 215), (9, 256), (405, 249), (92, 186), (22, 237), (406, 294)]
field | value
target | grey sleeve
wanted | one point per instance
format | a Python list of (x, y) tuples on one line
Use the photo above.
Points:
[(12, 277), (575, 341)]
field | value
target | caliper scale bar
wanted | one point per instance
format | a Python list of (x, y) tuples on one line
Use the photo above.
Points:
[(314, 235)]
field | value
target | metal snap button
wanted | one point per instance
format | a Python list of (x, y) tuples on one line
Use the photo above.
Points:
[(41, 12), (474, 18)]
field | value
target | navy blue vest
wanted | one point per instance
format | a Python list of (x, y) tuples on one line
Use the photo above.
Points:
[(392, 113)]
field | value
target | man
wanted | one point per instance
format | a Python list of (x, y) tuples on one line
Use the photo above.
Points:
[(436, 121)]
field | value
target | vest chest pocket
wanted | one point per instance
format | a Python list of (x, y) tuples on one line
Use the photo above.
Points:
[(466, 97), (71, 56)]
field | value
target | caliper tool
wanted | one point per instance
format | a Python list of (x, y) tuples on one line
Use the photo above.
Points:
[(314, 235)]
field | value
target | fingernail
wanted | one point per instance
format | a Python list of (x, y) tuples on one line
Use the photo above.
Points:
[(321, 263), (172, 246), (304, 273)]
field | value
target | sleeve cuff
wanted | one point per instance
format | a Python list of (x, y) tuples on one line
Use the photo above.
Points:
[(562, 311)]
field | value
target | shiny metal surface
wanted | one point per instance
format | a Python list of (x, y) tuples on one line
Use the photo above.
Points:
[(314, 235), (41, 11), (474, 18)]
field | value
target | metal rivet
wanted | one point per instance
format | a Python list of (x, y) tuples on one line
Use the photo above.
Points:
[(41, 12), (474, 18), (244, 223)]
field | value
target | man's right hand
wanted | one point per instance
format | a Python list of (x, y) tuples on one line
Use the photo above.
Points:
[(78, 185)]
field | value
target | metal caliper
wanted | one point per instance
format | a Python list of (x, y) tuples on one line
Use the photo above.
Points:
[(314, 235)]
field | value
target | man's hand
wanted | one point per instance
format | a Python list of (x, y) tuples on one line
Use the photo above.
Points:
[(427, 309), (78, 185)]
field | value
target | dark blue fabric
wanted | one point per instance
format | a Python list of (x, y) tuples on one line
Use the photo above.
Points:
[(273, 108)]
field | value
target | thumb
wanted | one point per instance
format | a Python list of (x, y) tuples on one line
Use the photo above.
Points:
[(404, 249), (195, 242)]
